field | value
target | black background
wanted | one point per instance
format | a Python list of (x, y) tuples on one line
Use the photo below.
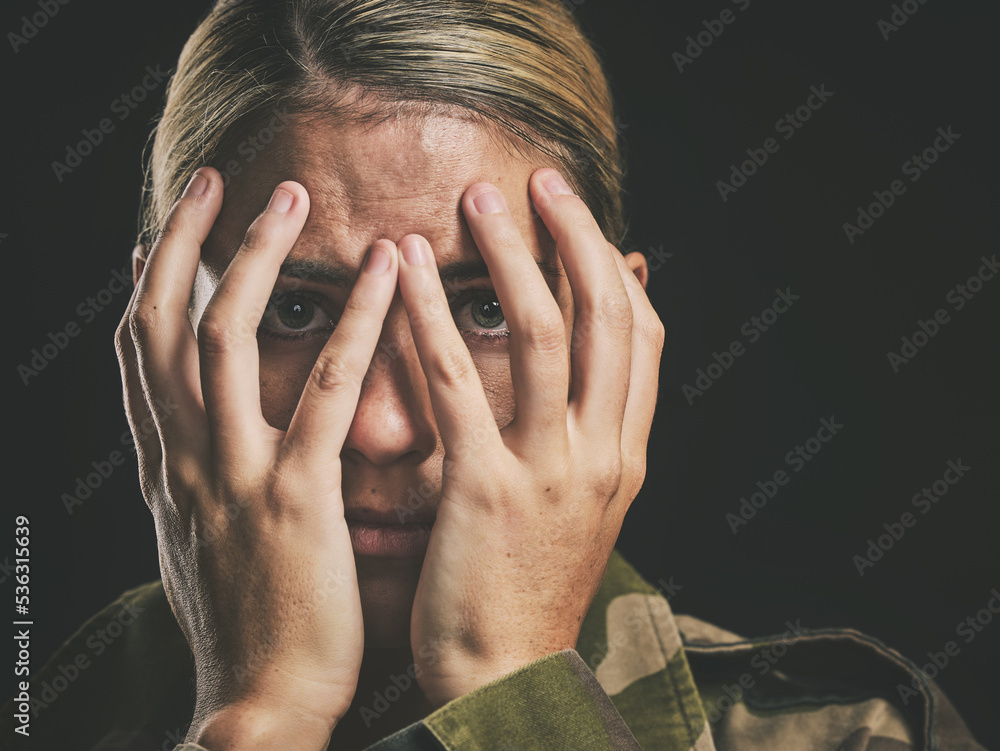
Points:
[(825, 357)]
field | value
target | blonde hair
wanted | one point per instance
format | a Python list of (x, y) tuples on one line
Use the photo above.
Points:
[(523, 66)]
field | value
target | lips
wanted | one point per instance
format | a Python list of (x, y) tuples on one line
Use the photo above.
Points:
[(390, 534)]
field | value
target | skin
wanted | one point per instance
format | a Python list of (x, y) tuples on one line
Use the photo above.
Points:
[(529, 449)]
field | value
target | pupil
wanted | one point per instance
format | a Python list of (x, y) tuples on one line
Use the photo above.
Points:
[(296, 315), (486, 312)]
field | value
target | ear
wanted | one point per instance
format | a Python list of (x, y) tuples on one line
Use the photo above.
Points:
[(139, 254), (637, 262)]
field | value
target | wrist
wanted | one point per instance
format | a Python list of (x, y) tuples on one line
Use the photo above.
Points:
[(249, 727), (457, 677)]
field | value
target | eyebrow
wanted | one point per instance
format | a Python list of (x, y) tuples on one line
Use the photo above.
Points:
[(339, 275)]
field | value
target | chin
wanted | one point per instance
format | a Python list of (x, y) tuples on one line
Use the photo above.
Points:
[(387, 587)]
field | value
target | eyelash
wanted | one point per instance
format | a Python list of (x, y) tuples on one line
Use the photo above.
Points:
[(486, 336), (280, 297), (456, 303)]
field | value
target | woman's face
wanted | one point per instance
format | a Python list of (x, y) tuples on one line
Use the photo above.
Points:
[(402, 176)]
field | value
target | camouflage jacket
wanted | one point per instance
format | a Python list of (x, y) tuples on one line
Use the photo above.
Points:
[(640, 678)]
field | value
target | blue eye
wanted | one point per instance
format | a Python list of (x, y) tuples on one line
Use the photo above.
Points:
[(294, 315)]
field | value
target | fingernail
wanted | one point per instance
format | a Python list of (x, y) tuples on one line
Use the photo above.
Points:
[(378, 260), (281, 201), (414, 253), (490, 202), (195, 187), (555, 184)]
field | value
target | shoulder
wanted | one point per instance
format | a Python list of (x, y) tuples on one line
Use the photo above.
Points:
[(124, 678), (802, 688)]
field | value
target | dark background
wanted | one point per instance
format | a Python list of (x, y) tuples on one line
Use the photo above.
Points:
[(825, 357)]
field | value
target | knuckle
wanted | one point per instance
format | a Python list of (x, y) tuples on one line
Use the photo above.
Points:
[(545, 332), (607, 480), (655, 333), (215, 336), (123, 337), (143, 322), (332, 374), (634, 474), (615, 311), (428, 312), (506, 235), (452, 366), (183, 476), (430, 304)]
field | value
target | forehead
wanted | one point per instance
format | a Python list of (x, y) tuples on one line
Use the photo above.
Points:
[(404, 174)]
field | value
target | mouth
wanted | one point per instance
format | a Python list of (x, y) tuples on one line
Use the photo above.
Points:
[(389, 534)]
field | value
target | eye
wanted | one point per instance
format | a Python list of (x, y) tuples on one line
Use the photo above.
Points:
[(294, 315), (478, 312)]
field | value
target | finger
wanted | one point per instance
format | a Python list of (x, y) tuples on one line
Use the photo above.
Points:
[(227, 332), (324, 413), (647, 347), (460, 406), (602, 316), (137, 411), (539, 365), (159, 327)]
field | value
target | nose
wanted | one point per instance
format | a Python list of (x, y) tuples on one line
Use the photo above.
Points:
[(394, 421)]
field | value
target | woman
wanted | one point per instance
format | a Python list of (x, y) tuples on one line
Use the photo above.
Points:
[(391, 383), (371, 100)]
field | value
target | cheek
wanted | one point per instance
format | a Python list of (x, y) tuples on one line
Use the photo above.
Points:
[(283, 376), (494, 372), (494, 367)]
